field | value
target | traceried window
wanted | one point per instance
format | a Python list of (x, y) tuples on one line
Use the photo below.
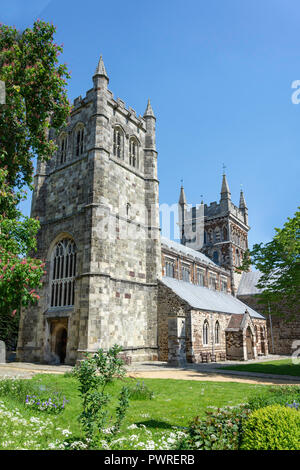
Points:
[(170, 271), (217, 332), (223, 285), (133, 152), (62, 149), (200, 277), (79, 134), (205, 332), (212, 281), (63, 271), (185, 272), (118, 149)]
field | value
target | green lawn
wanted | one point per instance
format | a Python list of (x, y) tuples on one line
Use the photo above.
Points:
[(281, 367), (148, 424)]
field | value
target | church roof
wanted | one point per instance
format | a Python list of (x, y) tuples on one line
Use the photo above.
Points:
[(247, 285), (184, 250), (202, 298)]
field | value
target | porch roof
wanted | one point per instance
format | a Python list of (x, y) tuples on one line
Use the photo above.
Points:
[(202, 298)]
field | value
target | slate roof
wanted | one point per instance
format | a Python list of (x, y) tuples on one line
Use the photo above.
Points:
[(247, 285), (202, 298), (179, 248)]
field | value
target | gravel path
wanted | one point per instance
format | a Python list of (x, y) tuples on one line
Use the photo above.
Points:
[(162, 370)]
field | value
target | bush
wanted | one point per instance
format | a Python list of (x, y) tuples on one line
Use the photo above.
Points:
[(140, 391), (278, 395), (94, 374), (219, 430), (274, 427)]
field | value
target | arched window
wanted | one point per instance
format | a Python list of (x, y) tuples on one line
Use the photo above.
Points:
[(225, 233), (205, 332), (133, 152), (62, 148), (63, 271), (118, 149), (217, 332), (79, 134)]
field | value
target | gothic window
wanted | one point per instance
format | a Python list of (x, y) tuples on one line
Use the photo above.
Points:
[(200, 277), (212, 281), (205, 332), (217, 332), (62, 149), (79, 134), (224, 285), (185, 272), (63, 271), (225, 234), (170, 269), (118, 149), (133, 152)]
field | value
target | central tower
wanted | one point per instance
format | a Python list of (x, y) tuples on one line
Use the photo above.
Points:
[(220, 231)]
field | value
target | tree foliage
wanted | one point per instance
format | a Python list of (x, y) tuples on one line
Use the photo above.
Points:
[(279, 264), (35, 98), (35, 92)]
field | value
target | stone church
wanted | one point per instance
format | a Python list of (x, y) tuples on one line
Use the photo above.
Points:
[(111, 278)]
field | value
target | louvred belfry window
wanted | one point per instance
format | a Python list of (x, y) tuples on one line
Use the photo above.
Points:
[(133, 152), (63, 273), (79, 142), (118, 143)]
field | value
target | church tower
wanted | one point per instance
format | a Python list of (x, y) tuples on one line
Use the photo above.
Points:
[(97, 202), (224, 229)]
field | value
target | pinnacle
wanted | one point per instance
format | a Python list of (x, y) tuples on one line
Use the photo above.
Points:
[(100, 70), (149, 110)]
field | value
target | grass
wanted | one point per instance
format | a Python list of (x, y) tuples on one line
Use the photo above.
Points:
[(149, 424), (281, 367)]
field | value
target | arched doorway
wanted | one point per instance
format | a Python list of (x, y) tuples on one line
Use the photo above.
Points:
[(61, 344), (249, 344)]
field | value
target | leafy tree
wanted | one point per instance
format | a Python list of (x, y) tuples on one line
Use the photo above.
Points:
[(279, 264), (20, 275), (35, 92), (35, 99)]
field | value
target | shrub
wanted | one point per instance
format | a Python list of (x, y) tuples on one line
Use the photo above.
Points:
[(219, 430), (274, 427), (94, 374), (140, 391), (278, 395)]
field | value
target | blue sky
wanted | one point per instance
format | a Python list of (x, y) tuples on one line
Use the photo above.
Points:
[(219, 75)]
